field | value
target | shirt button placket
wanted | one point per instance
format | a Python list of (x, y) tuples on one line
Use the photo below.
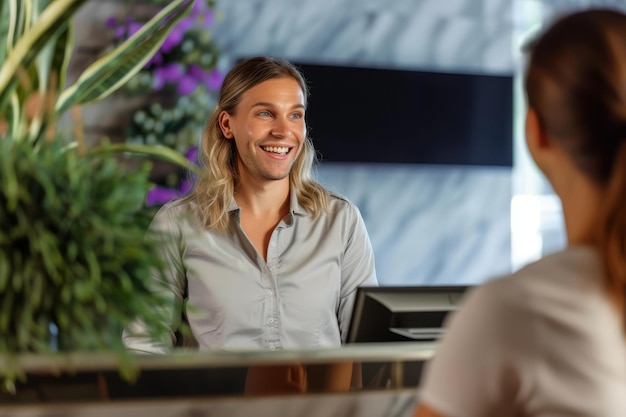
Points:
[(272, 323)]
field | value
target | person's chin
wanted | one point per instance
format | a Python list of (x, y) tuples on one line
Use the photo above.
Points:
[(276, 177)]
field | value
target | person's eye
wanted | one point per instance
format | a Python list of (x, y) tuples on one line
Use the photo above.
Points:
[(264, 113), (297, 116)]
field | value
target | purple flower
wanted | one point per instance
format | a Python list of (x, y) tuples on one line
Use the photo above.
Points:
[(133, 28), (213, 80), (160, 195), (111, 23), (157, 82), (172, 71), (184, 24), (185, 187), (196, 71), (197, 8), (186, 85), (173, 40), (208, 18), (192, 154), (156, 60), (166, 73), (119, 32)]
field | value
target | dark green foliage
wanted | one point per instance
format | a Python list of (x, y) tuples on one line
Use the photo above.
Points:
[(73, 249)]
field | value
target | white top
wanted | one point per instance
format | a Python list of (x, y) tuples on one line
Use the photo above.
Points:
[(300, 297), (544, 341)]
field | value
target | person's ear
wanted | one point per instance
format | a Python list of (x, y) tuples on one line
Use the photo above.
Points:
[(224, 122), (539, 143), (536, 136)]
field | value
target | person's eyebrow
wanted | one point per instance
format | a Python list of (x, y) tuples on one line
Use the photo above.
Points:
[(264, 104)]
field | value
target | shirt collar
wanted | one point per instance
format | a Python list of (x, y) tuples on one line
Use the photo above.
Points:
[(294, 205), (233, 205)]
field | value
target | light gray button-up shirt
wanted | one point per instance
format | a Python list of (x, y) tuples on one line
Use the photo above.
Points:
[(302, 297)]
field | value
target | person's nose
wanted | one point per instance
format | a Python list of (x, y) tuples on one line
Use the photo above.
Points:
[(282, 127)]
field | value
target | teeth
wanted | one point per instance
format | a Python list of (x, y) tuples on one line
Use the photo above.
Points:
[(276, 149)]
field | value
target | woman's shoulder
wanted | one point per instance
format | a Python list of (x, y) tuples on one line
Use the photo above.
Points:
[(575, 260), (574, 272), (563, 282), (574, 324), (557, 299)]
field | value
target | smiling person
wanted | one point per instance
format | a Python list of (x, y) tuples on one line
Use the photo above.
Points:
[(260, 255), (550, 340)]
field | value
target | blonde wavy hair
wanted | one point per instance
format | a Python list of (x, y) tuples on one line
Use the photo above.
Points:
[(214, 188)]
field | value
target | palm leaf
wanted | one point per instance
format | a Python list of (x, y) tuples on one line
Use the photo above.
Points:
[(115, 68), (5, 24), (55, 56), (27, 15), (53, 20), (15, 26), (16, 115), (156, 151), (48, 56)]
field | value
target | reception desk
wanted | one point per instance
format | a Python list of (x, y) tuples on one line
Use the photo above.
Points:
[(192, 383)]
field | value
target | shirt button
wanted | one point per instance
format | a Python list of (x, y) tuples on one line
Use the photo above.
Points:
[(270, 321), (272, 347), (269, 293)]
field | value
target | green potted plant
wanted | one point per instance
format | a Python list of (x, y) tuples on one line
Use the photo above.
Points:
[(74, 260)]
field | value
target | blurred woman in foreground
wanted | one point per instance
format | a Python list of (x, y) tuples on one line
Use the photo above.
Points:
[(549, 340)]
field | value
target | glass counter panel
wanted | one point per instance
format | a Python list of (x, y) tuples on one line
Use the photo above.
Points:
[(390, 370)]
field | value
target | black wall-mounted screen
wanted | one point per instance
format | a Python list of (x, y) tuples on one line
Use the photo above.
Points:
[(400, 116)]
